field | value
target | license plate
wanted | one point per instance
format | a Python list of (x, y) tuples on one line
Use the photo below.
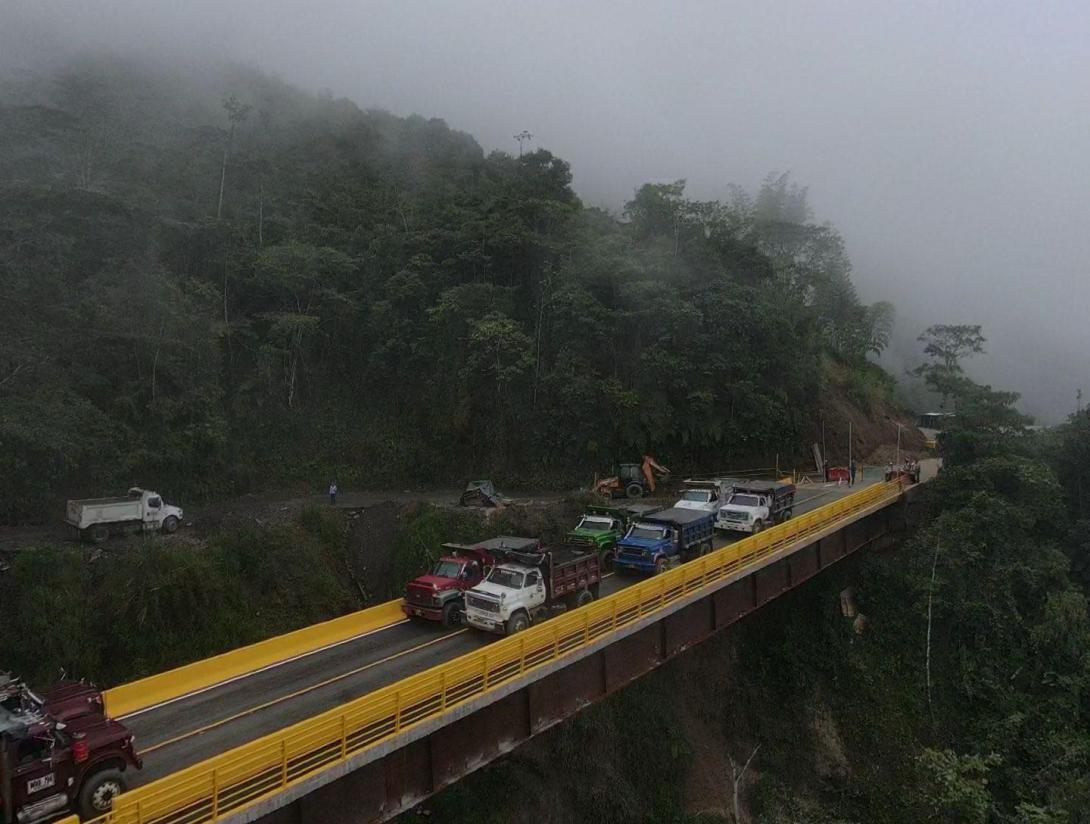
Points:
[(37, 784)]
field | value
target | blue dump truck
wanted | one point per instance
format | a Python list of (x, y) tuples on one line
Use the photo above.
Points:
[(655, 542)]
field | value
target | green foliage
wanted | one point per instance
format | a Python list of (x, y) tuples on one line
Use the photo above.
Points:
[(420, 543), (115, 619), (956, 786), (211, 283)]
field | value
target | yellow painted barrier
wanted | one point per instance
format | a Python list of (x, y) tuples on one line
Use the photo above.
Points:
[(250, 773), (165, 686)]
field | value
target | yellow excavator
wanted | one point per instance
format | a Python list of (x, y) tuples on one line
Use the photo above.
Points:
[(632, 480)]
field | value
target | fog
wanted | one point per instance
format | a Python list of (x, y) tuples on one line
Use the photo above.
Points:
[(949, 142)]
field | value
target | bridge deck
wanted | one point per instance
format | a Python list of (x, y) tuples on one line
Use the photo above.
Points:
[(196, 727)]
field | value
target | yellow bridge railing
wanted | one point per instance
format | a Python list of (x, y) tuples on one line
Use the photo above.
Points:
[(239, 778), (187, 679)]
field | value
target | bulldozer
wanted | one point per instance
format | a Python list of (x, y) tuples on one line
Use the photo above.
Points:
[(632, 480)]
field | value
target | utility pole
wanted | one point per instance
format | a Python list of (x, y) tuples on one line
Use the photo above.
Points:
[(523, 137), (849, 452), (1078, 401), (899, 428)]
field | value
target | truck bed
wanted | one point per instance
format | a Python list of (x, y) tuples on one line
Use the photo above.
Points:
[(572, 571), (91, 511), (679, 516)]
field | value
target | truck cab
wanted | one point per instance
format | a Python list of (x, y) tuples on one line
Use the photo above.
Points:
[(756, 506), (521, 590), (49, 767), (440, 595), (602, 526), (664, 539)]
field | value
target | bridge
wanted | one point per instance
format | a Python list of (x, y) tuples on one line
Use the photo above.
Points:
[(360, 718)]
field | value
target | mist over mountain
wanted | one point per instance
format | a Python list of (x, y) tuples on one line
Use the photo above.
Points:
[(947, 144)]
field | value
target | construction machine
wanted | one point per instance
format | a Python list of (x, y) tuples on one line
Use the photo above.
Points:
[(632, 480)]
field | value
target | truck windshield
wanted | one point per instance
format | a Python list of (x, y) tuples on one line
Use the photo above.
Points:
[(647, 532), (702, 496), (595, 523), (447, 569), (744, 500), (506, 578)]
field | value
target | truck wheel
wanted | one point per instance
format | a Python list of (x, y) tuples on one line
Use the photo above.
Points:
[(96, 796), (705, 547), (758, 527), (99, 533), (517, 623), (786, 516), (170, 525), (452, 616), (634, 490), (583, 598), (607, 562), (660, 565)]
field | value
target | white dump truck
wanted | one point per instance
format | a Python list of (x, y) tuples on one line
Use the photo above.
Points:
[(141, 510), (706, 495), (755, 505), (524, 588)]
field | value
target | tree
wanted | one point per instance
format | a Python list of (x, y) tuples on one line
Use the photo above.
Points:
[(956, 786), (880, 318), (948, 345), (237, 113)]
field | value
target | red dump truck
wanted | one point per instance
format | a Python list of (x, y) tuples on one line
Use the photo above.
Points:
[(59, 752)]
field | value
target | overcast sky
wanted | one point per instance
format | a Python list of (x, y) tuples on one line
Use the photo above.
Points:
[(948, 141)]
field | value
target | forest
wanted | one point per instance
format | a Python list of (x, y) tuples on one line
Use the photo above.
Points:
[(211, 282), (215, 283)]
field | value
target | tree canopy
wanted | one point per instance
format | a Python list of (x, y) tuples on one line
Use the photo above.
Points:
[(216, 281)]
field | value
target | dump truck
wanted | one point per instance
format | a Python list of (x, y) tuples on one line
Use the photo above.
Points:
[(59, 752), (440, 595), (662, 540), (602, 526), (706, 495), (527, 586), (756, 505), (140, 510)]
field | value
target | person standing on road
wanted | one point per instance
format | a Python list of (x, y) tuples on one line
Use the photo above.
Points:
[(332, 493), (851, 480)]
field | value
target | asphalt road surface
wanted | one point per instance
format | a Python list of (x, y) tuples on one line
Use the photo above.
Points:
[(198, 726)]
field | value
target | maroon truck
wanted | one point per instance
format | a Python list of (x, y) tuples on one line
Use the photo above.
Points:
[(440, 595), (59, 752)]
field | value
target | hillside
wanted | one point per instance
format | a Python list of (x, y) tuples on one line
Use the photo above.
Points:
[(957, 693), (213, 283)]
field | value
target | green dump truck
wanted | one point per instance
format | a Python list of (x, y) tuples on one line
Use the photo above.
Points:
[(602, 526)]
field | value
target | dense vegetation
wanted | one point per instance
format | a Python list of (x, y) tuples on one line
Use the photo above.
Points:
[(151, 606), (211, 281)]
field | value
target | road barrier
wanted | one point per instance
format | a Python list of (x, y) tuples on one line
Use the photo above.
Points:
[(185, 680), (250, 773)]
